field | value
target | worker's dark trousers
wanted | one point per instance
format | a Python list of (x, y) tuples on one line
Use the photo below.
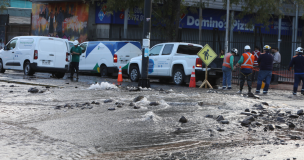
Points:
[(243, 77), (74, 67), (297, 80)]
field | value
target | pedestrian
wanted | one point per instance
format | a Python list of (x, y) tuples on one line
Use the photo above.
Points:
[(246, 62), (228, 68), (276, 65), (222, 54), (75, 52), (266, 63), (298, 63), (256, 54)]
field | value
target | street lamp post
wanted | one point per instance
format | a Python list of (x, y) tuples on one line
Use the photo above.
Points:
[(144, 81), (227, 27)]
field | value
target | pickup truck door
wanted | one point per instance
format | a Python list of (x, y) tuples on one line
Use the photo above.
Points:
[(153, 59), (165, 60)]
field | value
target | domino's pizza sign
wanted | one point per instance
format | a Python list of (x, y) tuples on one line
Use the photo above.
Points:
[(101, 14)]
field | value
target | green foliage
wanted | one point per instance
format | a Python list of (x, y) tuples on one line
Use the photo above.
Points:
[(3, 5), (264, 10)]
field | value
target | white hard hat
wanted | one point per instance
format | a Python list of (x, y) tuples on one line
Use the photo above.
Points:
[(247, 47), (299, 49), (234, 50), (75, 42), (266, 47)]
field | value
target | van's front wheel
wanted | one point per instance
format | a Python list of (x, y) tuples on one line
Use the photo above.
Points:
[(1, 67), (28, 71)]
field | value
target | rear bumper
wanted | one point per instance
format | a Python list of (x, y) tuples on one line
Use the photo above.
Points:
[(49, 69)]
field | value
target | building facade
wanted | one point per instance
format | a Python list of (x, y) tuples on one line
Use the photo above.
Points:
[(91, 22)]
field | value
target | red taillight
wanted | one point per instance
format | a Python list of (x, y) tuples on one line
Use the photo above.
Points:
[(67, 57), (115, 58), (35, 54), (199, 62)]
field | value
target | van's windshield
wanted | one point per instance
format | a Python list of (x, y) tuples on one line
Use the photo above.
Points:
[(188, 49)]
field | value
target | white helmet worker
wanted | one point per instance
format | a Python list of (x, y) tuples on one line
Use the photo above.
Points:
[(299, 49), (75, 42), (247, 47), (234, 50)]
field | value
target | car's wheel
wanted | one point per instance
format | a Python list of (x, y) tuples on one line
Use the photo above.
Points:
[(1, 67), (178, 76), (134, 74), (103, 71), (28, 71), (59, 75)]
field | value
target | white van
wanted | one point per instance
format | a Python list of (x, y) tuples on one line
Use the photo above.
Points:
[(35, 54), (105, 57)]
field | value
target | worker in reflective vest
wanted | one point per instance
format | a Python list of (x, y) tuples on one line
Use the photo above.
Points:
[(228, 68), (246, 62)]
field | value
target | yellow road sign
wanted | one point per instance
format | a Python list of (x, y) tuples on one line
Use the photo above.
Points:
[(207, 55)]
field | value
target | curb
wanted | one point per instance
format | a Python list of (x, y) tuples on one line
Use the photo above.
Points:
[(26, 83)]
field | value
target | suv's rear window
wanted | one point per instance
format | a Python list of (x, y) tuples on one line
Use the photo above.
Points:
[(187, 49)]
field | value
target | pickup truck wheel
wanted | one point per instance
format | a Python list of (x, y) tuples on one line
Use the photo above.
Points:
[(134, 74), (178, 76), (59, 75), (1, 67), (103, 71), (28, 71)]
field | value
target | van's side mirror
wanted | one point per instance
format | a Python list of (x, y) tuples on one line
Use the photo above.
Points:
[(6, 48)]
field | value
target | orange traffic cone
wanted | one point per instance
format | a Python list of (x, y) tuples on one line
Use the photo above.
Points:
[(192, 83), (119, 79)]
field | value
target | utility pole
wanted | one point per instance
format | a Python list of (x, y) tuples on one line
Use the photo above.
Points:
[(126, 18), (144, 81), (200, 23), (227, 28)]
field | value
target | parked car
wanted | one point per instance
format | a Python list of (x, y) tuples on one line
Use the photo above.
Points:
[(35, 54), (173, 62), (105, 57)]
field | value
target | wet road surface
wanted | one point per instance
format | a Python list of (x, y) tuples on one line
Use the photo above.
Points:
[(62, 122)]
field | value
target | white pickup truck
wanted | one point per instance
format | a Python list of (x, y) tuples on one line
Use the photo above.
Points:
[(173, 62)]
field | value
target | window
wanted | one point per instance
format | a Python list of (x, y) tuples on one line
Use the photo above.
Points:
[(83, 47), (156, 50), (167, 49), (12, 44), (188, 49)]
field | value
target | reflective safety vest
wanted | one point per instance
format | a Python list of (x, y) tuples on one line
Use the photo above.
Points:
[(227, 60), (256, 56), (248, 60)]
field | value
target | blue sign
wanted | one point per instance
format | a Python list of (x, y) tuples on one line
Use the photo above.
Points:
[(102, 17)]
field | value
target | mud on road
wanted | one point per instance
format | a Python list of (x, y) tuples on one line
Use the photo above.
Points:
[(71, 121)]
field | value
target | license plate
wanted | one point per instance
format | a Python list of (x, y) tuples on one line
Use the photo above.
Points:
[(45, 62), (212, 73)]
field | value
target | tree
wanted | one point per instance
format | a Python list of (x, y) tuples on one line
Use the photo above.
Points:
[(262, 11), (3, 5)]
